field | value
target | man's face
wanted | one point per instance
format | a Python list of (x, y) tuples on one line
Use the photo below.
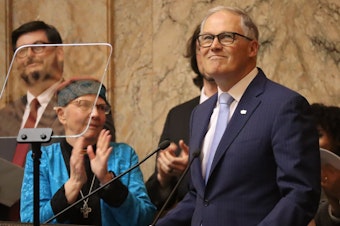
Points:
[(231, 61), (39, 67)]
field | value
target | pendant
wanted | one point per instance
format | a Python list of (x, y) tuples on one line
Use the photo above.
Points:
[(85, 210)]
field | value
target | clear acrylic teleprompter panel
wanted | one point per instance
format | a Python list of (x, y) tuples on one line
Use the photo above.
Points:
[(85, 59)]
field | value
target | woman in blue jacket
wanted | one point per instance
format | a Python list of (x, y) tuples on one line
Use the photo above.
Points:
[(77, 165)]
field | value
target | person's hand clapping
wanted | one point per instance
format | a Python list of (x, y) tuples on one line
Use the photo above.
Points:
[(169, 165), (99, 159), (77, 171)]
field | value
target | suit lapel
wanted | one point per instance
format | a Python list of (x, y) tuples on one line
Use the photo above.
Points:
[(199, 128), (245, 108)]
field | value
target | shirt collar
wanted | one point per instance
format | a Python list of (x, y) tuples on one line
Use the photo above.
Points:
[(203, 96), (239, 88), (45, 97)]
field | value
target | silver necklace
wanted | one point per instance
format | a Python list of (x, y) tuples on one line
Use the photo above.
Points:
[(85, 210)]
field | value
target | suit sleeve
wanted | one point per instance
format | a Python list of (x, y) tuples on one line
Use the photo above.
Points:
[(181, 215), (295, 149)]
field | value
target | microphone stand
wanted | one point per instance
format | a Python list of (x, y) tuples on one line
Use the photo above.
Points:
[(194, 155), (35, 136), (162, 145)]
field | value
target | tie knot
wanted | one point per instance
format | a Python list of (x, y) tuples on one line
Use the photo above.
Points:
[(34, 104), (225, 98)]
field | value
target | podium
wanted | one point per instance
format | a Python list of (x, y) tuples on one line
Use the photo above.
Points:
[(10, 189)]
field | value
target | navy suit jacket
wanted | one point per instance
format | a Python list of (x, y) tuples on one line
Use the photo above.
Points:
[(266, 170)]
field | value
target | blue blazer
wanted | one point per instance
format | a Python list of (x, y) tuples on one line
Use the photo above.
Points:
[(136, 210), (266, 170)]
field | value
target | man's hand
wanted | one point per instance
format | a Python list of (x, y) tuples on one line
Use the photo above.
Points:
[(169, 165)]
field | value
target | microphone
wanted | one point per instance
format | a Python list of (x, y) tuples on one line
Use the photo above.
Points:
[(164, 144), (194, 156)]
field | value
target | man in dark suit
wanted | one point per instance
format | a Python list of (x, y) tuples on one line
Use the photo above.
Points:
[(41, 70), (266, 167), (171, 162)]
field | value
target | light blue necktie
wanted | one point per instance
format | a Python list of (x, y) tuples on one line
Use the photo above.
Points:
[(225, 100)]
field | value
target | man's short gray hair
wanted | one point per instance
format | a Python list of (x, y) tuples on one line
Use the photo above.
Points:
[(247, 24)]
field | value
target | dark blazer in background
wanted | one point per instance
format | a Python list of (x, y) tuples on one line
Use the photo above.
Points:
[(176, 127), (266, 170)]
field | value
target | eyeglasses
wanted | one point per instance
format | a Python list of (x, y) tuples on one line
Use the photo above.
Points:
[(21, 53), (86, 105), (225, 38)]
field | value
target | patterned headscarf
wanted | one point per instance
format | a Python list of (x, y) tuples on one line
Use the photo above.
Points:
[(79, 86)]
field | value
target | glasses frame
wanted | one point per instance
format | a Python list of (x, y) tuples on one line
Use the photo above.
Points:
[(218, 36), (86, 105), (36, 48)]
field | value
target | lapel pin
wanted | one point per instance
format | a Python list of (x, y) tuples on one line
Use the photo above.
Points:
[(243, 112)]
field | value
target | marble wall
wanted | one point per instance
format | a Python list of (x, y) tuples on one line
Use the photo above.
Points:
[(300, 48)]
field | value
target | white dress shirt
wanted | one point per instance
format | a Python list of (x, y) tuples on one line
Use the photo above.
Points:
[(236, 92)]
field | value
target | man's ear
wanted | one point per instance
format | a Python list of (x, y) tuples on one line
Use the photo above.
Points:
[(60, 53), (60, 111), (253, 48)]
